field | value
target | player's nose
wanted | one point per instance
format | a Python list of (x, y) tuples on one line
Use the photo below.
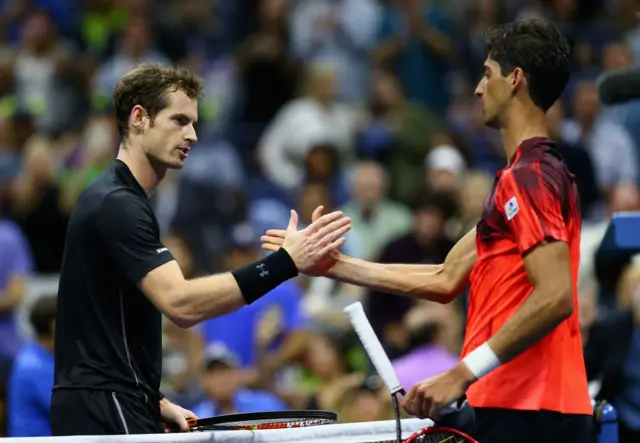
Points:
[(191, 135), (479, 90)]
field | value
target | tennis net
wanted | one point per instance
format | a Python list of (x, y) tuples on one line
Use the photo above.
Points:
[(369, 432)]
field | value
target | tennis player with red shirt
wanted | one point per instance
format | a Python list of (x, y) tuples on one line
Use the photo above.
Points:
[(522, 365)]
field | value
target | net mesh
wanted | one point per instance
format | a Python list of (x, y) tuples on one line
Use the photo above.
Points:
[(371, 432)]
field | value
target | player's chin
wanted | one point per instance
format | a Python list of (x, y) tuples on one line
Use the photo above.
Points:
[(491, 121), (176, 162)]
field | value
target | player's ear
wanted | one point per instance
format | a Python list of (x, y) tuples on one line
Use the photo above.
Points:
[(138, 116), (517, 79)]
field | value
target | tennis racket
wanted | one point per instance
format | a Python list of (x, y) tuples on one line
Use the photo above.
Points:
[(439, 434), (260, 421), (385, 370)]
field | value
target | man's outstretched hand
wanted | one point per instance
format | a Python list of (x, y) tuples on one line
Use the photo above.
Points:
[(331, 227)]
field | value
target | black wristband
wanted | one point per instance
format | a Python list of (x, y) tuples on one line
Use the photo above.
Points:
[(260, 277)]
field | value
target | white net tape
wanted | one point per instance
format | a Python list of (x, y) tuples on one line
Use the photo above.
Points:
[(370, 432)]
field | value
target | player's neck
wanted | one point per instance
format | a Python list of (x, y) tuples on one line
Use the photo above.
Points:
[(522, 124), (143, 171)]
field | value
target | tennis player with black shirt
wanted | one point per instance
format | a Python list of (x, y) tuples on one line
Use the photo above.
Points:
[(117, 279)]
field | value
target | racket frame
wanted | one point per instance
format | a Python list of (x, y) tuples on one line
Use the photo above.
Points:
[(279, 420), (433, 429)]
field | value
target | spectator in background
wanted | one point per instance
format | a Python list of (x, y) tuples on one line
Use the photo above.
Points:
[(323, 167), (16, 267), (134, 47), (474, 189), (198, 39), (425, 325), (101, 21), (45, 77), (238, 331), (185, 27), (614, 155), (416, 42), (399, 133), (325, 359), (617, 55), (10, 160), (88, 157), (31, 380), (426, 243), (222, 384), (445, 166), (311, 120), (268, 74), (577, 159), (37, 205), (375, 219), (478, 15), (366, 402), (341, 32)]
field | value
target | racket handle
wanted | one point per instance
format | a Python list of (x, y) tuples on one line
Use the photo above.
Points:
[(372, 345)]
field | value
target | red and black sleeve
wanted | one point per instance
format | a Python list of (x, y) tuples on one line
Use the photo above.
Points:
[(531, 202)]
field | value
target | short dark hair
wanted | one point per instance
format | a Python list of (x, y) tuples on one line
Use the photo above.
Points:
[(147, 86), (43, 313), (539, 49)]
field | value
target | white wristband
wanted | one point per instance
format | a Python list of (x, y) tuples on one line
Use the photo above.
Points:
[(481, 360)]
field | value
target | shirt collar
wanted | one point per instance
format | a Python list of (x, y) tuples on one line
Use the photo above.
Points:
[(124, 175)]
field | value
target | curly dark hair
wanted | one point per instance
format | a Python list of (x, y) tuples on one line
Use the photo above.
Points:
[(147, 86), (538, 48)]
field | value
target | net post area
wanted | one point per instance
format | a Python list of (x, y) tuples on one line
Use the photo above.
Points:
[(369, 432)]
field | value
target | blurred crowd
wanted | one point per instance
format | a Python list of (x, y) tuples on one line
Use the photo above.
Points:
[(362, 105)]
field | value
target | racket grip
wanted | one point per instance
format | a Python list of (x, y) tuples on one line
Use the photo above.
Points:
[(372, 345)]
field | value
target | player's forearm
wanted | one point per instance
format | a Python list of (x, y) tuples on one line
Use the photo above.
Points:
[(193, 301), (429, 282), (540, 314), (439, 283), (204, 298)]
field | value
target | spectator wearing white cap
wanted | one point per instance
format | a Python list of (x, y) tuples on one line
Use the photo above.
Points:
[(444, 167)]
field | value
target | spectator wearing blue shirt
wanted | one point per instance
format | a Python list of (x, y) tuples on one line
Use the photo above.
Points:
[(15, 266), (415, 40), (223, 387), (239, 331), (31, 378)]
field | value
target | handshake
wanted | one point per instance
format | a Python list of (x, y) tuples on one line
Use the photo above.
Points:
[(314, 249)]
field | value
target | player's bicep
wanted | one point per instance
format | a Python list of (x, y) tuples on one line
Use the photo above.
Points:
[(461, 260), (532, 209), (128, 233), (548, 267), (161, 284)]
